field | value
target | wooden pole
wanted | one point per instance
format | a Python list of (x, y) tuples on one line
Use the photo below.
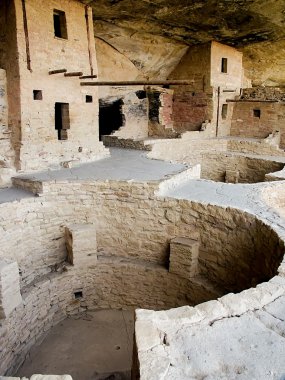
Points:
[(88, 76), (141, 83), (60, 71), (73, 74)]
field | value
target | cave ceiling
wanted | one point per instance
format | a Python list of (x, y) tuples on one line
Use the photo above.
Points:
[(154, 35), (234, 22)]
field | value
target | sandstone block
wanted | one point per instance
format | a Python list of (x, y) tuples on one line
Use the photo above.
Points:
[(10, 296), (81, 244), (184, 254), (232, 176)]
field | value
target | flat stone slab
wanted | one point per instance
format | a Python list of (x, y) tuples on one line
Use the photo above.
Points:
[(13, 194), (249, 346), (123, 164)]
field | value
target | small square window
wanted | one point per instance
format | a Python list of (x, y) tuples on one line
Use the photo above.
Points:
[(89, 99), (224, 111), (257, 113), (78, 294), (59, 23), (224, 66), (38, 94)]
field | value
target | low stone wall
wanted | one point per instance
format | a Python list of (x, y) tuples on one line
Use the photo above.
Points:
[(263, 93), (249, 169), (117, 142), (182, 343), (219, 156), (260, 147)]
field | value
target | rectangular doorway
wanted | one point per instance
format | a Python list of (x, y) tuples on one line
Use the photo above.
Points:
[(62, 120)]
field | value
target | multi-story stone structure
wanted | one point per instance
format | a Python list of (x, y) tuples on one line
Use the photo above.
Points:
[(44, 48)]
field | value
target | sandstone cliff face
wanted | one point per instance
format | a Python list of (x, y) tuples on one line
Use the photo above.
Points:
[(154, 35)]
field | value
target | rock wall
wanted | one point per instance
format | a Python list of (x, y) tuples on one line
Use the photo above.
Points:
[(263, 62), (269, 117)]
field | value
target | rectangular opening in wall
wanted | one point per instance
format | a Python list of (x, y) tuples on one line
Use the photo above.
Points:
[(111, 117), (59, 22), (78, 294), (224, 67), (257, 113), (89, 99), (62, 120), (224, 111), (38, 94)]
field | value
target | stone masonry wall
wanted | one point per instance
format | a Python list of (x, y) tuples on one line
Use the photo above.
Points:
[(135, 111), (161, 112), (7, 154), (134, 229), (246, 124), (263, 93), (130, 222), (190, 109), (34, 135), (216, 156), (214, 166)]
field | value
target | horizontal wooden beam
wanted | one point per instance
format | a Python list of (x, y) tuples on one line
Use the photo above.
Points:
[(252, 101), (141, 83), (74, 74), (60, 71), (88, 77)]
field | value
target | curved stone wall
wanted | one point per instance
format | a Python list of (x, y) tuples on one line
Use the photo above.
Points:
[(225, 159), (134, 230)]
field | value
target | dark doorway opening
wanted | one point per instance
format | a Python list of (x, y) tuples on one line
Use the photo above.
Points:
[(62, 120), (59, 22), (111, 117)]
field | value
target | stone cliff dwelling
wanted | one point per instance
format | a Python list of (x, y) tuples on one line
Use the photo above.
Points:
[(142, 190)]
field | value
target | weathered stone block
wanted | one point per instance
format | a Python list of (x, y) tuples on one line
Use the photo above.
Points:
[(232, 176), (81, 244), (10, 296), (184, 254)]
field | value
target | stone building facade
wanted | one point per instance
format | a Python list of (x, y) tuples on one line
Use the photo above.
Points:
[(44, 48)]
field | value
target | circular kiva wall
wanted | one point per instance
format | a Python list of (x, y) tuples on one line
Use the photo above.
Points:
[(233, 168), (154, 253)]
